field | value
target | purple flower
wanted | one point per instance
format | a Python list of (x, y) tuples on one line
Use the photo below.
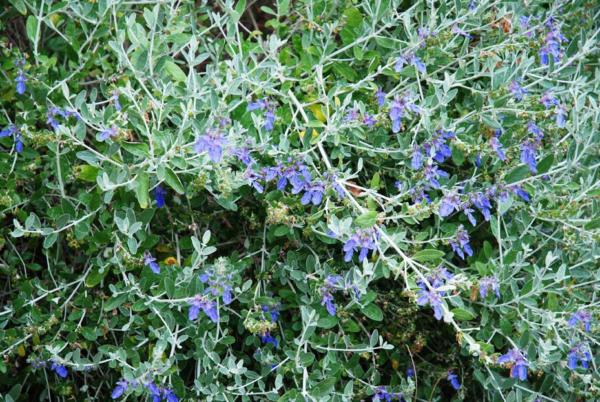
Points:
[(548, 100), (380, 96), (154, 391), (437, 148), (351, 115), (535, 130), (212, 142), (59, 369), (583, 317), (524, 22), (528, 154), (579, 353), (460, 244), (243, 154), (313, 193), (419, 195), (272, 310), (159, 196), (517, 90), (453, 379), (209, 307), (120, 389), (16, 134), (253, 179), (107, 133), (410, 372), (552, 44), (488, 283), (469, 213), (518, 190), (396, 114), (409, 58), (449, 204), (424, 33), (369, 120), (518, 363), (363, 239), (459, 31), (151, 263)]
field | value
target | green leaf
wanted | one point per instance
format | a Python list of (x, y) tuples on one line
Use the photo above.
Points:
[(175, 71), (142, 184), (373, 312), (462, 314), (31, 28), (429, 254), (324, 387), (87, 173), (173, 181), (367, 220), (518, 173)]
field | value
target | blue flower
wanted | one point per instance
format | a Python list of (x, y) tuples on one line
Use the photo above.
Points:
[(548, 100), (561, 116), (381, 394), (16, 134), (524, 22), (369, 120), (518, 190), (59, 369), (449, 204), (469, 213), (410, 372), (437, 148), (396, 114), (170, 396), (380, 96), (200, 302), (120, 389), (453, 379), (115, 99), (268, 338), (416, 161), (488, 283), (254, 180), (497, 147), (327, 290), (264, 104), (151, 263), (272, 310), (457, 30), (528, 154), (431, 298), (218, 285), (363, 239), (432, 173), (517, 91), (535, 130), (212, 142), (419, 195), (159, 196), (518, 363), (579, 353), (20, 82), (482, 203), (107, 133), (460, 244), (583, 317)]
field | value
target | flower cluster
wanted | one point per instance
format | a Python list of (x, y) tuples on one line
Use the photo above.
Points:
[(159, 196), (107, 133), (409, 58), (430, 293), (552, 43), (296, 175), (560, 111), (518, 363), (331, 285), (517, 91), (398, 109), (218, 285), (583, 317)]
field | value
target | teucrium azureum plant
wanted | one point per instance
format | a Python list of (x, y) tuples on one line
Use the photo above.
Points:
[(311, 200)]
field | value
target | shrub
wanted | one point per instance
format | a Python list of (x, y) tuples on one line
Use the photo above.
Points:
[(309, 200)]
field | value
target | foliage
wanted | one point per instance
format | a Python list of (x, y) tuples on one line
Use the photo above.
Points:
[(299, 200)]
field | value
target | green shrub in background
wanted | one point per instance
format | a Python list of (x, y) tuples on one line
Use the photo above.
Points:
[(299, 200)]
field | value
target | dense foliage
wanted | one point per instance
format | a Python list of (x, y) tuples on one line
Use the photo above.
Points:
[(299, 200)]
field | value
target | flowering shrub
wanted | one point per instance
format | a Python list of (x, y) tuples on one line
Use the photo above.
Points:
[(299, 200)]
